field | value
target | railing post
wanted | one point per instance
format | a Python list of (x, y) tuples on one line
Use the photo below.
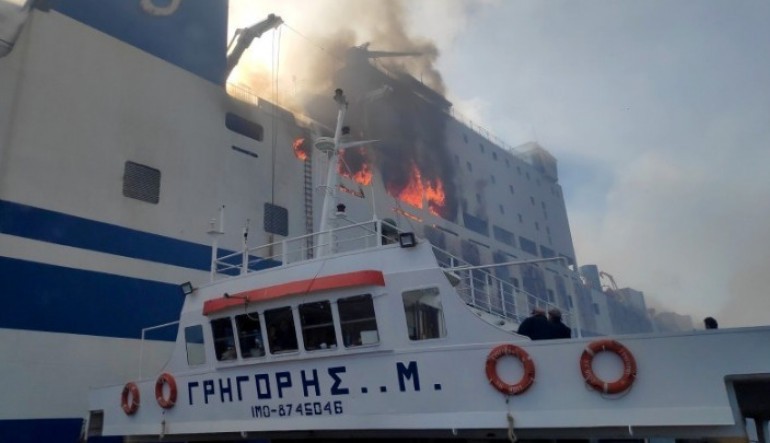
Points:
[(473, 290), (487, 287), (245, 252), (502, 298)]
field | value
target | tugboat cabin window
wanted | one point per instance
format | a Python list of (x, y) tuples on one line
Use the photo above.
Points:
[(281, 335), (359, 325), (250, 335), (193, 337), (424, 316), (224, 341), (317, 326)]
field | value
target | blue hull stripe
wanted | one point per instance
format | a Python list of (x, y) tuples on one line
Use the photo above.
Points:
[(69, 230), (52, 298), (56, 227)]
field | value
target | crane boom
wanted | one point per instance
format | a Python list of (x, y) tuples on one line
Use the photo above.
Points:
[(243, 38), (614, 286)]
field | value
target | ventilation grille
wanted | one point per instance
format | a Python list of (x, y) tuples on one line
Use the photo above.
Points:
[(141, 182), (276, 219)]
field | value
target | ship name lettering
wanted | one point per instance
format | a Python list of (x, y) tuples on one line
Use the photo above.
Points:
[(270, 386), (407, 373)]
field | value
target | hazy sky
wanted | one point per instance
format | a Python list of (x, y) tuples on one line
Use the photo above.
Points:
[(658, 113)]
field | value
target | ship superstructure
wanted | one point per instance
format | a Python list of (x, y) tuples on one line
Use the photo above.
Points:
[(362, 333)]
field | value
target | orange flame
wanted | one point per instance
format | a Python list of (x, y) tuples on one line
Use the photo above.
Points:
[(300, 148), (364, 174), (413, 191), (407, 214), (421, 192), (435, 197)]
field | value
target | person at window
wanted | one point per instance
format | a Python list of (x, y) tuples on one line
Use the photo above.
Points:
[(257, 349), (230, 353), (285, 338), (536, 326), (558, 329), (710, 323)]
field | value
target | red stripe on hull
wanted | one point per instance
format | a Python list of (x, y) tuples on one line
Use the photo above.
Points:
[(337, 281)]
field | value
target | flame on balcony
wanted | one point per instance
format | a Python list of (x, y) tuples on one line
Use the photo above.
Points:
[(301, 148), (421, 193), (355, 165)]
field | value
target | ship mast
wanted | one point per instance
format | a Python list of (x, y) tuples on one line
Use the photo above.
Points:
[(332, 147)]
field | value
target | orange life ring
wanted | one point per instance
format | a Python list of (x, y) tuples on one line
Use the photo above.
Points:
[(165, 379), (129, 399), (629, 366), (529, 369)]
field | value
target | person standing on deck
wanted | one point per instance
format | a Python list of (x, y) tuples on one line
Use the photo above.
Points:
[(535, 326), (558, 329)]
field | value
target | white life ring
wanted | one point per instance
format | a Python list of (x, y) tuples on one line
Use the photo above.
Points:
[(150, 7)]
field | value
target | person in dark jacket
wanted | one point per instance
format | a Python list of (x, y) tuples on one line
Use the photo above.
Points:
[(558, 329), (535, 326)]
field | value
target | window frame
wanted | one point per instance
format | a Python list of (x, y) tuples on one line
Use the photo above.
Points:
[(438, 329), (350, 342)]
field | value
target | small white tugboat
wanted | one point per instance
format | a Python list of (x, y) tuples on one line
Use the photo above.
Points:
[(361, 333)]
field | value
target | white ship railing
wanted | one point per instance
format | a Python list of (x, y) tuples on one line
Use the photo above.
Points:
[(476, 285)]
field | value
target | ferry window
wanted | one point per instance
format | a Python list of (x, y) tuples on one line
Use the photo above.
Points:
[(281, 335), (224, 342), (507, 163), (502, 210), (244, 127), (359, 325), (494, 156), (250, 335), (492, 178), (193, 337), (317, 325), (511, 188), (424, 317), (481, 146), (469, 166)]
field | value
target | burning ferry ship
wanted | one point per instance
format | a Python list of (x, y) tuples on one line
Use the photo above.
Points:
[(119, 145)]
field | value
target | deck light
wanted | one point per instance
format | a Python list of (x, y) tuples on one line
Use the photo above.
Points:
[(407, 240), (187, 288)]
